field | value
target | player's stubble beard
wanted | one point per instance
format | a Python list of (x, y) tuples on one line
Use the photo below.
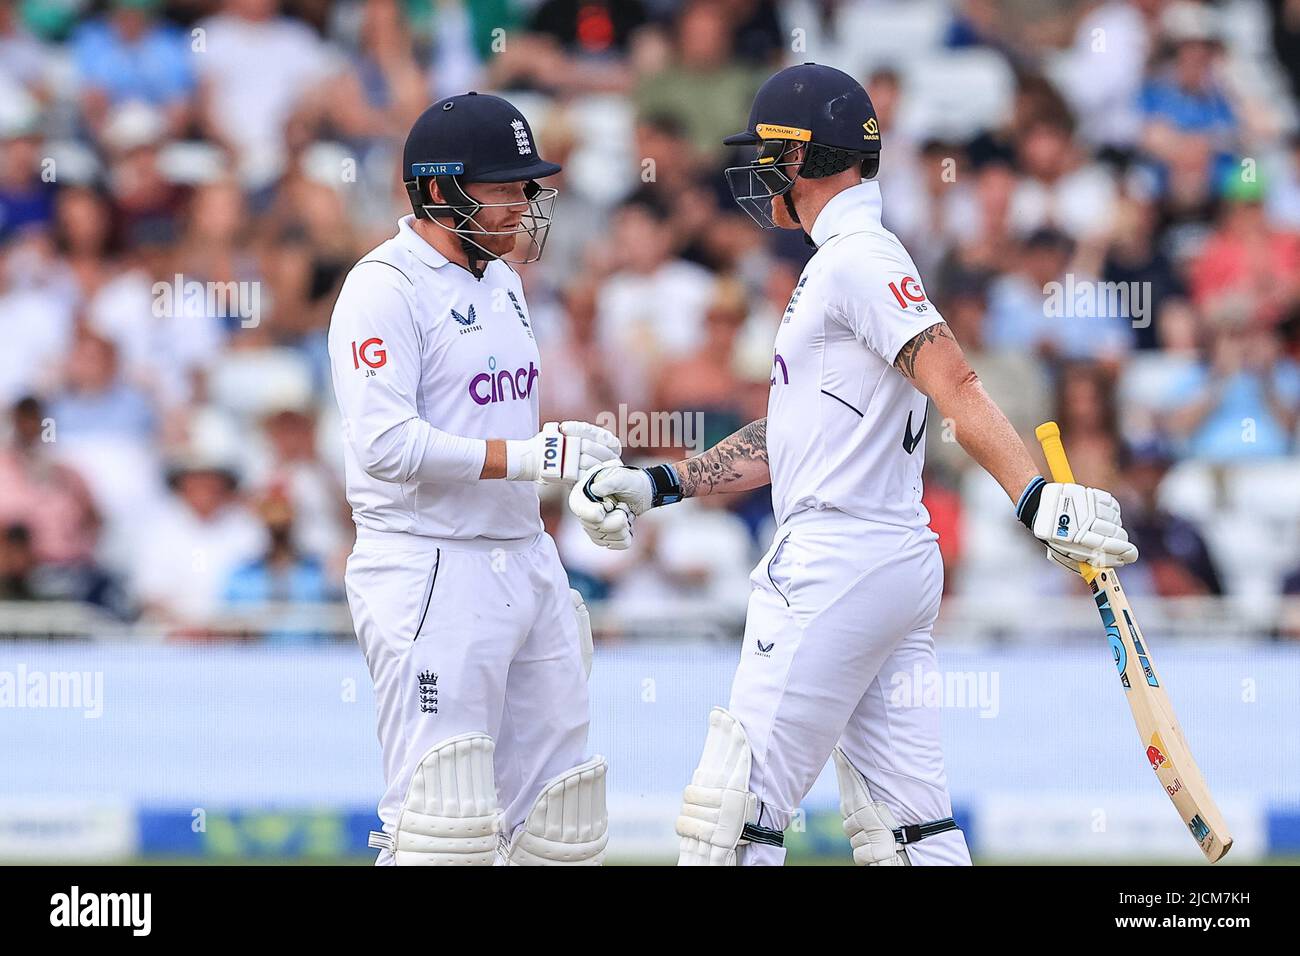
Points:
[(497, 245), (781, 214)]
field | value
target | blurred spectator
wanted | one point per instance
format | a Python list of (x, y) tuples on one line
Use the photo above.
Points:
[(1286, 40), (1175, 558), (295, 471), (1246, 261), (1015, 379), (376, 101), (701, 552), (1240, 402), (25, 199), (1283, 196), (580, 382), (703, 86), (1086, 411), (255, 69), (1134, 259), (1189, 126), (196, 540), (1059, 188), (24, 60), (675, 182), (17, 565), (1042, 306), (1104, 70), (705, 381), (653, 306), (282, 574), (574, 46), (147, 171), (36, 322), (83, 236), (95, 401), (49, 498), (928, 201), (143, 196), (129, 56), (757, 37)]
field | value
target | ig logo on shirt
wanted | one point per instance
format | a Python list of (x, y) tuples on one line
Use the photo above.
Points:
[(907, 291), (370, 352)]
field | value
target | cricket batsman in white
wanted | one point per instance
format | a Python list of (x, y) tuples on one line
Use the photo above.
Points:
[(849, 590), (478, 649)]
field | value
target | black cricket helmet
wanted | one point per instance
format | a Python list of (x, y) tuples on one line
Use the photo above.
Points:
[(816, 107), (477, 138)]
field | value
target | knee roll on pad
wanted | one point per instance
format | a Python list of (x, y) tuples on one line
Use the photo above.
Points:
[(719, 813), (450, 816), (568, 824), (868, 824)]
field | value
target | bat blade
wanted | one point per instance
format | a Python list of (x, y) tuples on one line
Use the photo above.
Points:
[(1166, 748)]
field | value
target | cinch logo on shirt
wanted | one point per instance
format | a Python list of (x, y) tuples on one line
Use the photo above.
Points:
[(785, 372), (487, 388)]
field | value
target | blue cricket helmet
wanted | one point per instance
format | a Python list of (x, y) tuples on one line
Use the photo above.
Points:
[(819, 107), (476, 138)]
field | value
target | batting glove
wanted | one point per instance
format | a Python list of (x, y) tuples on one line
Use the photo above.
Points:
[(1078, 524), (560, 452), (639, 488), (608, 523)]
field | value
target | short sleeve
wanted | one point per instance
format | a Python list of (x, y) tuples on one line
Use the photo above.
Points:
[(878, 295)]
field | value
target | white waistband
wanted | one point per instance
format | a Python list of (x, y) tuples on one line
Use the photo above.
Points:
[(423, 542), (834, 521)]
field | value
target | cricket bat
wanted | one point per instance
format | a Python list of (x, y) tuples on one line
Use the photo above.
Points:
[(1166, 748)]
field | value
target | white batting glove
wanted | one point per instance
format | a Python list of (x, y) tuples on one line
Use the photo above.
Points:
[(560, 452), (607, 522), (639, 488), (1078, 524)]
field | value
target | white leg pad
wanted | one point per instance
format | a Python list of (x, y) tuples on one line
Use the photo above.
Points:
[(568, 824), (450, 816), (867, 823), (717, 804)]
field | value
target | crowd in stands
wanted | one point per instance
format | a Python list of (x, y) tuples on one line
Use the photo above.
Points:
[(1103, 200)]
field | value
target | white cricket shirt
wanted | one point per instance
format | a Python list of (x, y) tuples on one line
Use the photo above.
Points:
[(428, 362), (845, 429)]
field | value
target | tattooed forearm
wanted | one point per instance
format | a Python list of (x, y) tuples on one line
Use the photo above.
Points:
[(737, 463), (906, 361)]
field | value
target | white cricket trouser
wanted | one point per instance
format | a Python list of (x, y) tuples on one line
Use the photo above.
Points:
[(464, 636), (839, 606)]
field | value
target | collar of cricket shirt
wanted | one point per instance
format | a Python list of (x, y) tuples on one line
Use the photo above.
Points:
[(850, 210), (413, 241)]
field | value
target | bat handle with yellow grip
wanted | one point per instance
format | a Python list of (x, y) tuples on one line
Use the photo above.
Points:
[(1049, 437)]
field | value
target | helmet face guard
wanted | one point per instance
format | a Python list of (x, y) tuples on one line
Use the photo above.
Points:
[(463, 209), (771, 174)]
